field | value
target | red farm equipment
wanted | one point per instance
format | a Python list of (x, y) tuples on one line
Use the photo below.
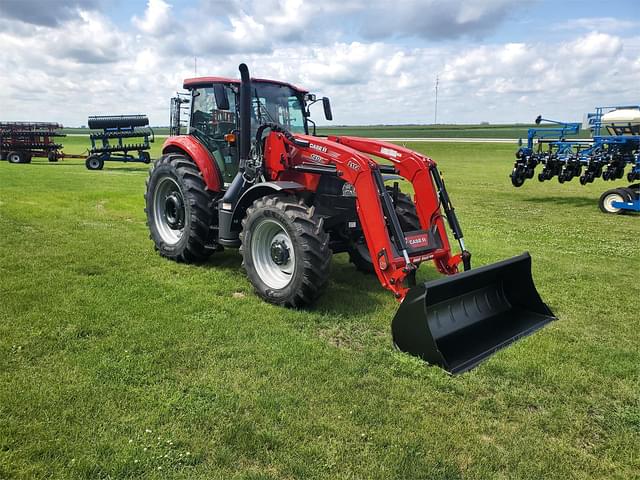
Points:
[(21, 141), (250, 175)]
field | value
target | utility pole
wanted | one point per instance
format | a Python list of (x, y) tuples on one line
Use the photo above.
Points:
[(435, 116)]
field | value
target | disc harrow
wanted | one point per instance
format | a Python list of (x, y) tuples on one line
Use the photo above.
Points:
[(22, 141)]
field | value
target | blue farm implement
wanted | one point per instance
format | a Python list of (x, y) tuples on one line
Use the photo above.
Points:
[(613, 148), (114, 137)]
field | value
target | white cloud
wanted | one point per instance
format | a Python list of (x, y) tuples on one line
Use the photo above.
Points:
[(156, 20), (88, 65), (600, 24), (595, 45)]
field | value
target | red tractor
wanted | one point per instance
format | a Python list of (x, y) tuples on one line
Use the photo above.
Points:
[(249, 175)]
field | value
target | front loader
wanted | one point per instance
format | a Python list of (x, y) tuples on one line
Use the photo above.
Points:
[(251, 174)]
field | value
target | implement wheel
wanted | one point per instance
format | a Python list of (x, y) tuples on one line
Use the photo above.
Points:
[(517, 178), (52, 156), (94, 162), (16, 157), (180, 211), (285, 251), (408, 216), (615, 195)]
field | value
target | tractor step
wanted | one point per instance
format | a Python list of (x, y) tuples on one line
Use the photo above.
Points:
[(458, 321)]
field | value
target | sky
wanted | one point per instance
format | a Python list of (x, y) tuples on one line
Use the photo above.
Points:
[(497, 61)]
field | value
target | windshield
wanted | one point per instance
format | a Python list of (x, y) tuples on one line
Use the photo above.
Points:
[(276, 103)]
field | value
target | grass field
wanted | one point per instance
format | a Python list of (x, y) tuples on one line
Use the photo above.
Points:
[(116, 363), (408, 131), (434, 131)]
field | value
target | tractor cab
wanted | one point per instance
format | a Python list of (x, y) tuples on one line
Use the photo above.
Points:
[(214, 113)]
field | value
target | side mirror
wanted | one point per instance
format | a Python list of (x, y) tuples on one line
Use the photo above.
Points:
[(326, 104), (222, 101)]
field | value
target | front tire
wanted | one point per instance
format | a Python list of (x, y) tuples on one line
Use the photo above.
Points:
[(285, 251), (180, 211)]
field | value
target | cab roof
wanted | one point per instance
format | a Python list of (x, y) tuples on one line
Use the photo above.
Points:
[(190, 83)]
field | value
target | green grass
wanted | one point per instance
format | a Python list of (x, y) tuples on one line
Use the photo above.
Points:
[(407, 131), (116, 363), (435, 131)]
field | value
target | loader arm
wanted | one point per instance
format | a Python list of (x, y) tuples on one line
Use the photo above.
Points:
[(455, 322), (346, 158), (419, 170)]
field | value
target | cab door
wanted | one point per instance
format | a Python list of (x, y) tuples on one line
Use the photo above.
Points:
[(209, 125)]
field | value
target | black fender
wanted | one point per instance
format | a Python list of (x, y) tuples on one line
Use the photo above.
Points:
[(261, 190)]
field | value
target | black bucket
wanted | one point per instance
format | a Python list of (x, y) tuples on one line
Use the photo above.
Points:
[(458, 321)]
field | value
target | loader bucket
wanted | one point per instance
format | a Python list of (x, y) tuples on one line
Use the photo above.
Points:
[(458, 321)]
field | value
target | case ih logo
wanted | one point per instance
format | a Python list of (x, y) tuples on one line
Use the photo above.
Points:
[(417, 241), (319, 148)]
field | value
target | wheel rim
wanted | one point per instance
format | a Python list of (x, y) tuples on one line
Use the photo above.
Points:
[(608, 202), (169, 211), (14, 158), (94, 163), (272, 252)]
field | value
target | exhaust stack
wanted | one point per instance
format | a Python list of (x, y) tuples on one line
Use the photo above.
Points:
[(245, 115), (226, 206)]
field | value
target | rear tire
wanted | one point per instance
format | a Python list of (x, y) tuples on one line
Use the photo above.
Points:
[(406, 211), (180, 211), (285, 251), (615, 195)]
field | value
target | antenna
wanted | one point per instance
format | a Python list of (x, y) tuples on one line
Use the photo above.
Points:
[(195, 66), (435, 116)]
